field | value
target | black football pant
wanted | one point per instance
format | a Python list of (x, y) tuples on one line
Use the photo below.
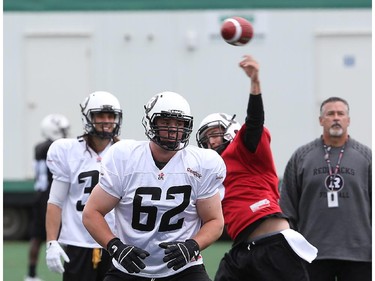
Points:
[(267, 259), (329, 270)]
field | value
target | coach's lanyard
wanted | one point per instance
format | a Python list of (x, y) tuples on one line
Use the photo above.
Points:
[(328, 161)]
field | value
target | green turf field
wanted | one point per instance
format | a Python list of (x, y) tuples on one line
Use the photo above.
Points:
[(15, 261)]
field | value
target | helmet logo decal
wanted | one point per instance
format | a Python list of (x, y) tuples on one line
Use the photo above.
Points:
[(225, 117), (85, 105), (230, 121), (150, 105)]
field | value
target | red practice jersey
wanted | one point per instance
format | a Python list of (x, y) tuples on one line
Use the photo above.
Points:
[(251, 184)]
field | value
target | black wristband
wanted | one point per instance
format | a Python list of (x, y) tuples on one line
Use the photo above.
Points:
[(195, 247), (112, 242), (193, 242)]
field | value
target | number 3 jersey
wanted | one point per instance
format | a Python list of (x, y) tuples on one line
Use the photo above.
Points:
[(159, 205), (72, 161)]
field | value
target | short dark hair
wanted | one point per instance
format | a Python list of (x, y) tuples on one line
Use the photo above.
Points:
[(333, 99)]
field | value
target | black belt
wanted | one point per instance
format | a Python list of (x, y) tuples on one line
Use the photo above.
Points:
[(262, 240)]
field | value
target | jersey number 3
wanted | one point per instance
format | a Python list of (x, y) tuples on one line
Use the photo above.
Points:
[(151, 211), (93, 178)]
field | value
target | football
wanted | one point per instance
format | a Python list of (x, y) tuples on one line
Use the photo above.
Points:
[(237, 31)]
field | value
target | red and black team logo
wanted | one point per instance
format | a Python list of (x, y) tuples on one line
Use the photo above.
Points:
[(334, 183)]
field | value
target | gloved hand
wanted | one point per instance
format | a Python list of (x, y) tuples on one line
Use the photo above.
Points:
[(127, 255), (178, 253), (53, 257)]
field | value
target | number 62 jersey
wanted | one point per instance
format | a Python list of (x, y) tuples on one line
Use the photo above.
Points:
[(159, 205)]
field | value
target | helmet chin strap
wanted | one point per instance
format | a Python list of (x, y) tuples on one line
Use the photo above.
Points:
[(222, 147), (103, 134), (168, 145)]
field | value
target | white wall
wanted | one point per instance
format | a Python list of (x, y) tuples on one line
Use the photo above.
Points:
[(134, 55)]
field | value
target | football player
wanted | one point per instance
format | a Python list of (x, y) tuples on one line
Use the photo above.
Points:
[(263, 240), (166, 197), (53, 126), (75, 165)]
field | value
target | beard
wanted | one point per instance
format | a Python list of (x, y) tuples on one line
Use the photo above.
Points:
[(336, 131)]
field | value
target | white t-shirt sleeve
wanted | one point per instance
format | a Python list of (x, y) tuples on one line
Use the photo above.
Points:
[(109, 176), (59, 193), (56, 160), (214, 174)]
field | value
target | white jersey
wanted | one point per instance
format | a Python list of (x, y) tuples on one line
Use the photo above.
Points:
[(159, 205), (70, 160)]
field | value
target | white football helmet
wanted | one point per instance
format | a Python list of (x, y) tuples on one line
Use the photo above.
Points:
[(168, 105), (101, 102), (227, 122), (55, 126)]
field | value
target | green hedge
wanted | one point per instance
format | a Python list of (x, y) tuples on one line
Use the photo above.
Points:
[(18, 186)]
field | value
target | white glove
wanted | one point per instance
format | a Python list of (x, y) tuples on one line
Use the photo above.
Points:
[(53, 257)]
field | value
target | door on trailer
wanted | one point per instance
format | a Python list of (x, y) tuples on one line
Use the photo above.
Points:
[(57, 78), (343, 69)]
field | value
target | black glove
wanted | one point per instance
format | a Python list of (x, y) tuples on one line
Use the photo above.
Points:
[(127, 255), (178, 253)]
